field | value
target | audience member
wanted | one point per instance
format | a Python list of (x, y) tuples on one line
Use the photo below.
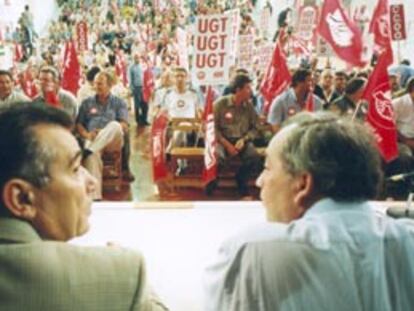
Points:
[(293, 100), (236, 123), (325, 247), (102, 122), (9, 96)]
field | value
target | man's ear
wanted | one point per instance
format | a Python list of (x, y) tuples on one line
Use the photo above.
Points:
[(304, 191), (18, 197)]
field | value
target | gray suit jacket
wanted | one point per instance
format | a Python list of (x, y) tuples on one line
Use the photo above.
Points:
[(47, 275)]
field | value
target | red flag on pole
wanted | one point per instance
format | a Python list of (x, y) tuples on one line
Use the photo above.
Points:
[(120, 67), (18, 52), (380, 27), (277, 77), (71, 69), (158, 145), (380, 112), (343, 35), (310, 102), (148, 84), (210, 157)]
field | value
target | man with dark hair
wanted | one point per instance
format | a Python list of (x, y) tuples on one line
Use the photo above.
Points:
[(347, 104), (8, 96), (52, 94), (326, 247), (87, 89), (45, 200), (236, 123), (293, 100), (103, 124)]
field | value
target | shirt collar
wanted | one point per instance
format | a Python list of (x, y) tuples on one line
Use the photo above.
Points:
[(329, 205), (16, 230)]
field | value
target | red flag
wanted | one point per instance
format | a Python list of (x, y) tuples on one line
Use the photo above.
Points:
[(27, 84), (18, 52), (380, 27), (148, 84), (210, 157), (310, 101), (71, 69), (277, 77), (343, 35), (380, 112), (120, 67), (52, 99), (158, 145)]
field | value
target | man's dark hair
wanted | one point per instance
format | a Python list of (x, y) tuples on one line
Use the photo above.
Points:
[(341, 73), (354, 85), (410, 85), (239, 81), (405, 62), (6, 73), (341, 156), (90, 75), (299, 76), (22, 154)]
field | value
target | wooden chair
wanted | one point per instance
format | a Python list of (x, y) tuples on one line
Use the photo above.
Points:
[(194, 155), (112, 170)]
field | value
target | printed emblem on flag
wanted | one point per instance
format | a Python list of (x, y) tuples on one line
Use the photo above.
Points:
[(180, 103), (341, 33)]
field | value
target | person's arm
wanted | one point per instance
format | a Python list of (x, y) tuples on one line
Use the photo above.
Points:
[(230, 148), (122, 114), (275, 115)]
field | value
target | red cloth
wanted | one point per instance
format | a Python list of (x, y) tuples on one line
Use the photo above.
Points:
[(120, 67), (148, 83), (210, 156), (310, 102), (71, 69), (158, 145), (380, 27), (342, 34), (277, 77), (18, 52), (52, 99), (380, 111)]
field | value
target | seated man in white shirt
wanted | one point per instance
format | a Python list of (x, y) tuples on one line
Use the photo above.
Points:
[(325, 247), (181, 102)]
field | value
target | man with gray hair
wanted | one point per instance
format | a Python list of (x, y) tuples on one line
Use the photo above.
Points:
[(325, 247)]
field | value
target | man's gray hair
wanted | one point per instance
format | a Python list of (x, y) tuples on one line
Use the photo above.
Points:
[(340, 155)]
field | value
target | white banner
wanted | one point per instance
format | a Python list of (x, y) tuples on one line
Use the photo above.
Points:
[(212, 44), (182, 47), (264, 55), (245, 55)]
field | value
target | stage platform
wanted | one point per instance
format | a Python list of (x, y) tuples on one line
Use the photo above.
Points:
[(178, 239)]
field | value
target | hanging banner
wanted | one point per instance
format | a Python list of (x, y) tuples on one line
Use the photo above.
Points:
[(264, 55), (82, 35), (212, 43), (397, 22)]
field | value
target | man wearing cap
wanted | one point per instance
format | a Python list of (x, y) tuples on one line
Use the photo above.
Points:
[(235, 123)]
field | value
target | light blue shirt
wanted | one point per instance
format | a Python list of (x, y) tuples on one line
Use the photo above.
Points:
[(338, 256), (135, 76), (286, 105)]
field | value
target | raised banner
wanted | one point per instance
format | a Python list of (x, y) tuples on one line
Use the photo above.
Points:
[(245, 54), (307, 20), (264, 55), (212, 43), (82, 35), (397, 19)]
